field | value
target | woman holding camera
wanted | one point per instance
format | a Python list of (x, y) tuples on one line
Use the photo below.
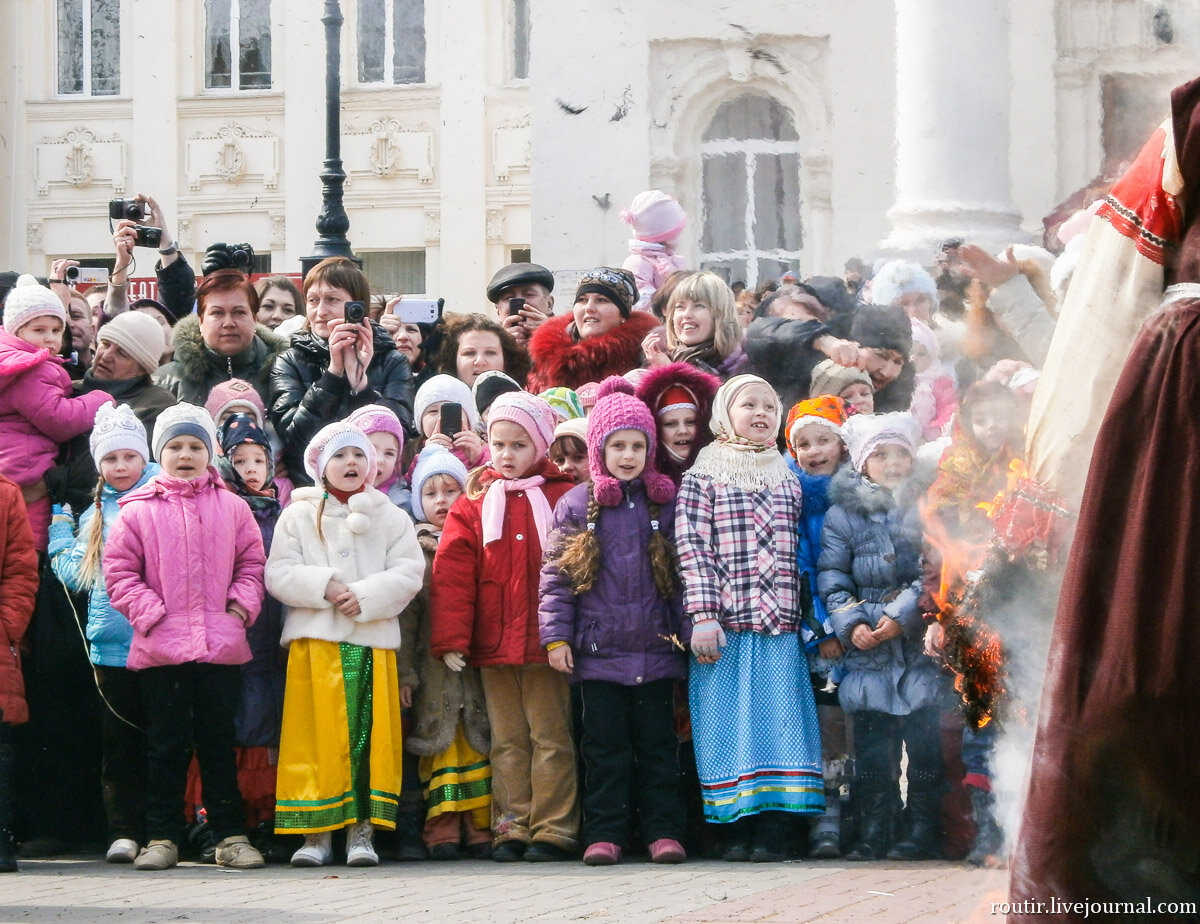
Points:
[(339, 363)]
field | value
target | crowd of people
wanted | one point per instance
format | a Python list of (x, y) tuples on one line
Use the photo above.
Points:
[(660, 573)]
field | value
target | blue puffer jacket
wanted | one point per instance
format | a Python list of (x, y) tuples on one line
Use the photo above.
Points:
[(619, 630), (869, 567), (108, 632), (815, 492)]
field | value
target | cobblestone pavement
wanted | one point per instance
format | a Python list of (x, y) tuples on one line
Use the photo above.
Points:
[(90, 891)]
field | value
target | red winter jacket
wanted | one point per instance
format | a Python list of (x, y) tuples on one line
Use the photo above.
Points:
[(485, 599), (18, 590)]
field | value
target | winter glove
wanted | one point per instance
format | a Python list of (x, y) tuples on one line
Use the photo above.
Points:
[(62, 529), (454, 660), (708, 638)]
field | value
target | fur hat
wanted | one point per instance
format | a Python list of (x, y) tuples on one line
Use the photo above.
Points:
[(828, 378), (529, 412), (900, 277), (665, 385), (331, 438), (655, 217), (884, 327), (442, 388), (864, 433), (614, 283), (434, 460), (376, 418), (827, 410), (489, 385), (564, 401), (29, 299), (618, 409), (117, 428), (236, 393), (184, 419), (141, 337)]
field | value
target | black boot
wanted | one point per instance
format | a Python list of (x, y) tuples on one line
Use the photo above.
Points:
[(874, 820), (988, 837), (410, 821), (8, 759), (770, 838), (922, 819), (737, 841)]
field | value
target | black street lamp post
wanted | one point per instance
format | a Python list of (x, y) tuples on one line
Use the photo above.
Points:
[(332, 223)]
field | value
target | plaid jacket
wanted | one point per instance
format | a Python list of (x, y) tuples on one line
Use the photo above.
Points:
[(737, 554)]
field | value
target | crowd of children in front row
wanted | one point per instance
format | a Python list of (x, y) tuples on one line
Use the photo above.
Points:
[(435, 620)]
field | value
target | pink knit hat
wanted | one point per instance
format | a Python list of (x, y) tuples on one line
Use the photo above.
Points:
[(331, 438), (236, 393), (529, 412), (655, 217), (617, 409), (376, 418)]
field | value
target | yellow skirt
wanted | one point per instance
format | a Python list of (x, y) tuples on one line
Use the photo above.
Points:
[(340, 753), (458, 780)]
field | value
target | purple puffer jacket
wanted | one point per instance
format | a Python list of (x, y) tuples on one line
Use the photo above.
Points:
[(620, 630), (37, 410), (178, 554)]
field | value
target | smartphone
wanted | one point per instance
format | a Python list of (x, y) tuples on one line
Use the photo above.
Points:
[(515, 305), (354, 312), (419, 309), (86, 275), (452, 419)]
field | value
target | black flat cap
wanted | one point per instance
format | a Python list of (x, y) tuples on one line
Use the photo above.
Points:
[(518, 274)]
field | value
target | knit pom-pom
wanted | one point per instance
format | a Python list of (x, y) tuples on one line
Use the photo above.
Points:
[(614, 385), (659, 487), (358, 523), (359, 503), (607, 490)]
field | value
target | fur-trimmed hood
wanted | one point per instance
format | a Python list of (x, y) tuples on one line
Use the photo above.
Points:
[(701, 384), (860, 497), (559, 359), (196, 368)]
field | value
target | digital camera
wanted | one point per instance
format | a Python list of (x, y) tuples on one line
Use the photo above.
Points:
[(132, 209), (354, 312)]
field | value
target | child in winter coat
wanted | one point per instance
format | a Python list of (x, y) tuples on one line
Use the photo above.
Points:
[(184, 564), (121, 453), (37, 411), (386, 433), (869, 576), (248, 467), (934, 397), (449, 725), (18, 589), (485, 603), (569, 450), (345, 562), (816, 452), (657, 221), (610, 618), (239, 396), (680, 396), (754, 722)]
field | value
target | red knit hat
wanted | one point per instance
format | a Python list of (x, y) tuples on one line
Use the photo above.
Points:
[(617, 409)]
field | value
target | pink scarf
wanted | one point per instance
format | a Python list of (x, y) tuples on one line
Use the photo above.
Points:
[(496, 499)]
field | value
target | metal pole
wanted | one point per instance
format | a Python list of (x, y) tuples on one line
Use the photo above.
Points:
[(332, 223)]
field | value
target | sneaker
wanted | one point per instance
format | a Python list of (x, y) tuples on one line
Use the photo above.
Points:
[(157, 855), (360, 847), (317, 850), (122, 850), (542, 852), (602, 853), (667, 850), (236, 852)]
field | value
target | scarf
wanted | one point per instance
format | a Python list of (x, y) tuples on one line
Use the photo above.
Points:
[(496, 499), (344, 496), (703, 352), (742, 464)]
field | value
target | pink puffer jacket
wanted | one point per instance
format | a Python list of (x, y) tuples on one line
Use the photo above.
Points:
[(178, 554), (37, 411)]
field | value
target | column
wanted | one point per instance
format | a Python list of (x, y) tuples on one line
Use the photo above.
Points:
[(953, 86)]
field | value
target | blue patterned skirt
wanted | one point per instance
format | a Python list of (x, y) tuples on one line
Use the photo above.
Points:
[(754, 727)]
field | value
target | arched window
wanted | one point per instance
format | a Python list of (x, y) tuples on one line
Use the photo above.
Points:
[(750, 195)]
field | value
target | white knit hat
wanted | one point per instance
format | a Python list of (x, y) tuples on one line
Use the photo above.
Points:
[(864, 433), (331, 438), (184, 419), (29, 299), (117, 428), (445, 388), (137, 334)]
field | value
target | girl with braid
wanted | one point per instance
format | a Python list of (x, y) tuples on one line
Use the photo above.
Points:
[(610, 618)]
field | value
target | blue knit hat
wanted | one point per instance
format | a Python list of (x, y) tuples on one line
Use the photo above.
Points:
[(434, 460)]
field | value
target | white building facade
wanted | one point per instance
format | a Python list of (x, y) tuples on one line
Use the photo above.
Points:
[(475, 132)]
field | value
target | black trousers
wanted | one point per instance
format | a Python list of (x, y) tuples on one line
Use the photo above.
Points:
[(123, 749), (877, 740), (630, 747), (190, 705)]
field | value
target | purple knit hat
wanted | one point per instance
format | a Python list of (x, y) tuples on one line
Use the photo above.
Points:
[(618, 409), (376, 418), (529, 412)]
